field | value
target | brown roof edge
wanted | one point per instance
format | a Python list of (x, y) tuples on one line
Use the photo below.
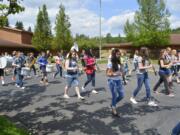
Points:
[(14, 29)]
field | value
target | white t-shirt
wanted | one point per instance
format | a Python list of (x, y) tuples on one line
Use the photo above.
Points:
[(109, 65), (141, 71)]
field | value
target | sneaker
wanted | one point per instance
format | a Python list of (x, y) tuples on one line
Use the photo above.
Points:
[(17, 85), (22, 88), (133, 100), (80, 97), (66, 96), (156, 92), (171, 95), (41, 82), (94, 92), (3, 83), (82, 88), (152, 103)]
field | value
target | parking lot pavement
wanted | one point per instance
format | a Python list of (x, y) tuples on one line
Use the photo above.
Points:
[(43, 111)]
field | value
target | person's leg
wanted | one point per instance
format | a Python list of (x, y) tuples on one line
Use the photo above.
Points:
[(147, 86), (34, 69), (89, 78), (93, 76), (120, 91), (68, 85), (112, 85), (58, 70), (21, 80), (140, 78), (166, 84)]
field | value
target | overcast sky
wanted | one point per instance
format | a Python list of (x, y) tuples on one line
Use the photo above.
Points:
[(84, 14)]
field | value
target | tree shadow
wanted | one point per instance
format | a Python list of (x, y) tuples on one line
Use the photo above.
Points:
[(87, 122), (16, 100)]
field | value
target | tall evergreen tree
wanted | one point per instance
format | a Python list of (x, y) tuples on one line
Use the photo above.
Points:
[(63, 38), (19, 25), (108, 38), (42, 34), (6, 22), (29, 29), (151, 26)]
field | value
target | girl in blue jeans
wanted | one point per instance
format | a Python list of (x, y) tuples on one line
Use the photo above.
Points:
[(114, 80), (142, 76)]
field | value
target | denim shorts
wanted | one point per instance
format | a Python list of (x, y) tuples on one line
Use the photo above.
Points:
[(72, 80)]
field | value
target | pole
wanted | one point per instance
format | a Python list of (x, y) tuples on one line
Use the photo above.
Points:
[(100, 38)]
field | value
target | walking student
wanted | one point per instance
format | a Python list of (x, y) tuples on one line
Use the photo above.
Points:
[(142, 77), (90, 69), (59, 62), (114, 80), (42, 61), (18, 64), (164, 66), (71, 66)]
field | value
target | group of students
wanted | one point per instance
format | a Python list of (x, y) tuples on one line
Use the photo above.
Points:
[(169, 65), (117, 69)]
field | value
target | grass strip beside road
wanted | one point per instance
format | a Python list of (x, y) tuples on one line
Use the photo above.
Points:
[(9, 128)]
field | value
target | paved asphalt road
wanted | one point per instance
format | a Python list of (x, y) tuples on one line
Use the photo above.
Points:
[(44, 111)]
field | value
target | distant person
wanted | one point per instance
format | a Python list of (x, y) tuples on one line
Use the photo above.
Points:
[(59, 64)]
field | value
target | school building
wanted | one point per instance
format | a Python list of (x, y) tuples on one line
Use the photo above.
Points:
[(14, 39)]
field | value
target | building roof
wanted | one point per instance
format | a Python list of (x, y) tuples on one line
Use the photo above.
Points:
[(17, 30), (9, 44), (175, 39)]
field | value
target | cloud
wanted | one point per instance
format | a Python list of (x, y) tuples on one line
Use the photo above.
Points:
[(82, 19), (173, 5), (175, 22)]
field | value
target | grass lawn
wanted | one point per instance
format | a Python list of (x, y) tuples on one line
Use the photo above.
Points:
[(8, 128)]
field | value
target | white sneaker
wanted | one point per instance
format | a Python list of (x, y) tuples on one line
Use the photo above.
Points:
[(66, 96), (133, 100), (23, 88), (82, 88), (80, 97), (3, 83), (152, 103), (17, 85), (171, 95), (94, 92)]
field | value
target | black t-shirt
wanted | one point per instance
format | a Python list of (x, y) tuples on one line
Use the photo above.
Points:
[(165, 63)]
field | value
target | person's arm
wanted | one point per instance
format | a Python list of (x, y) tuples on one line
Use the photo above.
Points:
[(163, 65)]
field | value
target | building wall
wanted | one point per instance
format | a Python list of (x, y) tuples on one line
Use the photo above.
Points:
[(10, 35), (26, 38)]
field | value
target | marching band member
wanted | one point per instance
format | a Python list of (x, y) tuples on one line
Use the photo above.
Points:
[(18, 64), (14, 69), (42, 61), (114, 80), (135, 60), (2, 73), (59, 64), (32, 61), (71, 66), (90, 70), (164, 66), (142, 77), (174, 67)]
